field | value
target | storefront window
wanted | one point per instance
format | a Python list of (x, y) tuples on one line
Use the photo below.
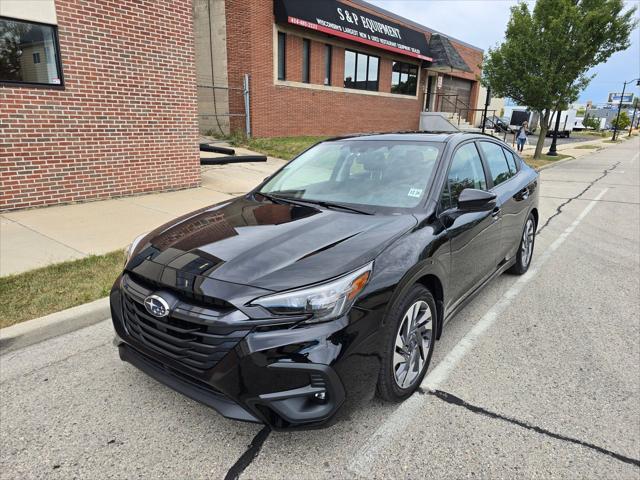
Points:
[(282, 42), (29, 53), (404, 78), (361, 71), (328, 54), (306, 59)]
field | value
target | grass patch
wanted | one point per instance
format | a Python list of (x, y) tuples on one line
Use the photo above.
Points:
[(591, 133), (64, 285), (587, 147), (543, 160), (280, 147)]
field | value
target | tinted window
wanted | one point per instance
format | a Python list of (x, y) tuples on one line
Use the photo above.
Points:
[(282, 42), (28, 53), (377, 173), (360, 71), (306, 59), (404, 78), (328, 54), (466, 172), (498, 167), (512, 161)]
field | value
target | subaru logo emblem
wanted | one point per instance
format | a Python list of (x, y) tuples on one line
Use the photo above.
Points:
[(156, 306)]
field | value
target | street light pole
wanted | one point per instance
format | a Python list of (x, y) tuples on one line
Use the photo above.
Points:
[(624, 86), (552, 149), (633, 117), (615, 126), (486, 106)]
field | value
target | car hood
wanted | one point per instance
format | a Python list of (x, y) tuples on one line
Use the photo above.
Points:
[(272, 246)]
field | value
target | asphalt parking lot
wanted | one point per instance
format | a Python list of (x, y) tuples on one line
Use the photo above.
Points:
[(538, 377)]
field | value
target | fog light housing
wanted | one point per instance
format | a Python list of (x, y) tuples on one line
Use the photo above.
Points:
[(320, 396)]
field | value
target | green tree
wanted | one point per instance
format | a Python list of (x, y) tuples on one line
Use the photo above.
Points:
[(547, 52), (591, 122), (623, 122)]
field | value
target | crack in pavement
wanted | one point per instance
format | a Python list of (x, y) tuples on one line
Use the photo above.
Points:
[(569, 200), (453, 400), (249, 455)]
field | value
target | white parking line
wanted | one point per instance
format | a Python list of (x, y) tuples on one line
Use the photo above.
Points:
[(402, 417)]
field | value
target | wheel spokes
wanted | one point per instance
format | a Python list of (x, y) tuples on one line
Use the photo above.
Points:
[(412, 344)]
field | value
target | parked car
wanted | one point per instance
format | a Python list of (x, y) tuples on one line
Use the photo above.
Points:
[(331, 279), (497, 124)]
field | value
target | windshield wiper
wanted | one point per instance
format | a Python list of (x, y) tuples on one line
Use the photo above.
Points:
[(276, 198), (325, 204), (322, 203)]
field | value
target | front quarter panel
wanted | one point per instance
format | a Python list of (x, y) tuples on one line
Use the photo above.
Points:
[(423, 251)]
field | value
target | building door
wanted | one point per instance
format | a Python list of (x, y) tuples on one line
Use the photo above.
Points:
[(455, 95)]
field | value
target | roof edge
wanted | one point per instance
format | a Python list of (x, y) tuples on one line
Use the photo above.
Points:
[(419, 26)]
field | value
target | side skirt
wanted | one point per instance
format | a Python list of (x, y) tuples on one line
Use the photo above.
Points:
[(463, 303)]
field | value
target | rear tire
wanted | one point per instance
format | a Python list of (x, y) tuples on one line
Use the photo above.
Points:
[(409, 336), (525, 248)]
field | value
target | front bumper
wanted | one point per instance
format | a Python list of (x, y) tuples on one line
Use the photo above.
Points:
[(285, 378)]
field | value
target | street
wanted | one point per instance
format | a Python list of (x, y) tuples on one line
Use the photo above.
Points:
[(538, 377)]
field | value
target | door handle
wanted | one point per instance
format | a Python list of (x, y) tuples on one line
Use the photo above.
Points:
[(495, 213), (524, 193)]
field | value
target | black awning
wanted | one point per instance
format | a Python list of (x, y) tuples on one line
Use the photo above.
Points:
[(337, 19), (445, 55)]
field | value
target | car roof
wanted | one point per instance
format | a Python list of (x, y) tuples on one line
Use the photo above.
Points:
[(415, 136)]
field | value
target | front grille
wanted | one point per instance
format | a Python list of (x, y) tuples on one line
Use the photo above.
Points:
[(194, 337)]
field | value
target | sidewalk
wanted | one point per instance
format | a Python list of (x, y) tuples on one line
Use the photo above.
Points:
[(35, 238)]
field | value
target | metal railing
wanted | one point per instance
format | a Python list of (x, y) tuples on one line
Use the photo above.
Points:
[(460, 107)]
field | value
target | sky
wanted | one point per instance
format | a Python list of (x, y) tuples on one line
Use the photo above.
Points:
[(482, 23)]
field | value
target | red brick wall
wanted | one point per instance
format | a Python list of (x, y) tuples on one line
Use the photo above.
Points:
[(126, 121), (282, 110)]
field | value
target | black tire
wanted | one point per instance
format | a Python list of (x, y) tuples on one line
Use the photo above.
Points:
[(388, 385), (524, 255)]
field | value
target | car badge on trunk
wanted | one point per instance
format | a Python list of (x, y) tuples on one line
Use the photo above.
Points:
[(156, 306)]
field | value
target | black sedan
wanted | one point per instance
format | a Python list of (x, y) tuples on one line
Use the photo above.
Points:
[(330, 280)]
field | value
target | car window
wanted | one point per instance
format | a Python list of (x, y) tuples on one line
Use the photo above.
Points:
[(466, 172), (498, 167), (512, 161), (385, 173)]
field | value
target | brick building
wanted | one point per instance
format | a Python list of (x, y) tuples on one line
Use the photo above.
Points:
[(97, 99), (327, 67), (105, 98)]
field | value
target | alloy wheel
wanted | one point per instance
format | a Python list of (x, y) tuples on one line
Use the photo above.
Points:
[(527, 242), (413, 341)]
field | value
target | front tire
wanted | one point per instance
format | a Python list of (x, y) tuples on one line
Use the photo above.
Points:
[(525, 249), (409, 340)]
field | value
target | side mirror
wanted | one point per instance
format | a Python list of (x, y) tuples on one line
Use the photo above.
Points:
[(473, 200)]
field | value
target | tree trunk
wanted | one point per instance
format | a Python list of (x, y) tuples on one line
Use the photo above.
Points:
[(544, 127)]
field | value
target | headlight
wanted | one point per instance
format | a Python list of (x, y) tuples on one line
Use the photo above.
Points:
[(324, 302), (132, 247)]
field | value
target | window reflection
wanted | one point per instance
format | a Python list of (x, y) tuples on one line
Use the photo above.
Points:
[(28, 53)]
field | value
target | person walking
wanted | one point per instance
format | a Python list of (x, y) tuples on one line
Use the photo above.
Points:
[(521, 136)]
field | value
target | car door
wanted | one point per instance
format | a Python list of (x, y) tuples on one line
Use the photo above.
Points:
[(473, 236), (510, 195)]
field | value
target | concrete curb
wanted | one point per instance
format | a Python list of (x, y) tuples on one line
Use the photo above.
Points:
[(555, 164), (40, 329)]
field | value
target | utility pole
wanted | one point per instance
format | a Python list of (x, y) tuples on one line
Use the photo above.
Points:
[(624, 86), (552, 150), (486, 106)]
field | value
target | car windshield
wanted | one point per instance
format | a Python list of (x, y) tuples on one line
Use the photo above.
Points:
[(362, 172)]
